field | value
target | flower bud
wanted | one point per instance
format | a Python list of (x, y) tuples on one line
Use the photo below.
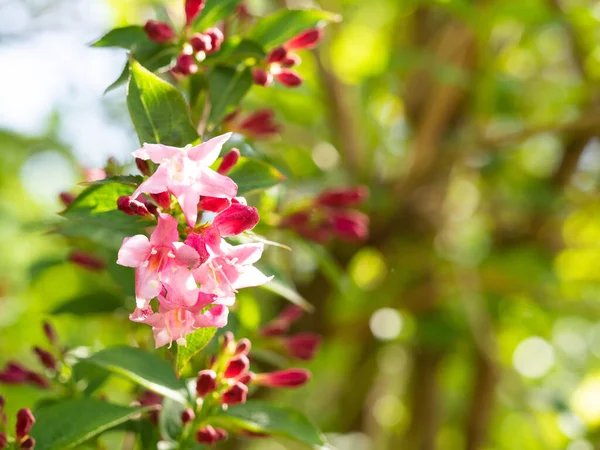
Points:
[(206, 435), (123, 203), (303, 345), (237, 366), (283, 322), (283, 379), (187, 415), (350, 225), (45, 358), (343, 197), (291, 60), (214, 204), (277, 55), (216, 39), (243, 347), (186, 64), (221, 434), (37, 380), (229, 160), (206, 382), (159, 31), (260, 124), (3, 441), (13, 373), (236, 219), (235, 395), (143, 166), (25, 421), (2, 403), (201, 42), (28, 444), (86, 260), (261, 77), (193, 8), (162, 199), (306, 40), (288, 78), (49, 332), (66, 198), (247, 378), (228, 343)]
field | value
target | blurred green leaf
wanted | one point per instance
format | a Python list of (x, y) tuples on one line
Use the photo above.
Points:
[(226, 88), (196, 341), (235, 51), (289, 292), (169, 420), (124, 37), (93, 303), (213, 12), (158, 110), (129, 180), (253, 175), (70, 423)]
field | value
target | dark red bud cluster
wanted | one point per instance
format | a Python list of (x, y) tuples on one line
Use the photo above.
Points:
[(200, 45), (24, 423), (86, 260), (210, 436), (159, 31), (140, 206)]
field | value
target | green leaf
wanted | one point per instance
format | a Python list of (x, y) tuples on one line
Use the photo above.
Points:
[(95, 303), (234, 51), (90, 376), (288, 292), (158, 110), (196, 341), (125, 37), (267, 418), (226, 88), (129, 180), (252, 175), (143, 368), (280, 27), (169, 420), (66, 425), (213, 12)]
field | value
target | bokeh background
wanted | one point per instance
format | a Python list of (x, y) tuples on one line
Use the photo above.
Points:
[(470, 318)]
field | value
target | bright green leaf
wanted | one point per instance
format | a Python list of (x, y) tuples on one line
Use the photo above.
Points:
[(213, 12), (280, 27), (196, 341), (125, 37), (252, 175), (226, 88), (145, 369), (158, 110), (129, 180), (66, 425)]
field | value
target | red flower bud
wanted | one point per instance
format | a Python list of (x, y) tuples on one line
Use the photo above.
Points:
[(123, 203), (206, 435), (305, 40), (303, 345), (260, 124), (216, 39), (243, 347), (206, 382), (49, 332), (228, 343), (247, 378), (214, 204), (159, 31), (201, 42), (45, 358), (138, 207), (186, 64), (13, 373), (37, 380), (2, 402), (187, 415), (3, 441), (25, 421), (66, 198), (235, 395), (283, 379), (143, 166), (237, 366), (229, 160), (197, 243), (350, 225), (236, 219), (283, 322), (261, 77), (343, 197), (291, 60), (289, 78), (277, 55), (221, 434), (28, 444), (162, 199), (86, 260), (193, 8)]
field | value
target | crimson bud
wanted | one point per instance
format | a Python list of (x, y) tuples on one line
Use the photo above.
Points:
[(187, 415), (86, 260), (216, 39), (284, 378), (159, 31), (289, 78), (25, 421), (206, 382), (261, 77), (350, 225), (213, 204), (303, 345), (201, 42), (143, 166), (49, 332), (206, 435), (237, 366), (277, 55), (28, 444), (243, 347), (186, 64), (163, 199), (45, 358), (305, 40), (235, 395), (236, 219), (229, 160), (193, 9), (343, 196)]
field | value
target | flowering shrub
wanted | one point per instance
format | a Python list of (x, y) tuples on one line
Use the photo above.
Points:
[(184, 226)]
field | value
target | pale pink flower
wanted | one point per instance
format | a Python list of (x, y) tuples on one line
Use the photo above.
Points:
[(156, 258), (185, 173)]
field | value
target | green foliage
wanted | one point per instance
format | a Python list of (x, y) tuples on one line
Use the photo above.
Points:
[(196, 341), (128, 37), (213, 12), (226, 88), (94, 303), (253, 175)]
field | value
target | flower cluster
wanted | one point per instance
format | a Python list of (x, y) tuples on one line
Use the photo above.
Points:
[(197, 279), (25, 421), (332, 215)]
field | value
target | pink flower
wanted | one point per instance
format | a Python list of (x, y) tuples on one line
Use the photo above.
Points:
[(229, 270), (155, 259), (185, 173)]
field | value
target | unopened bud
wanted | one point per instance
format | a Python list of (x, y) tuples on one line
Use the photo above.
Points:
[(206, 382), (49, 332), (235, 395), (291, 60), (2, 402), (303, 345), (206, 435), (143, 166), (123, 203), (277, 55), (237, 366), (66, 198), (3, 441), (243, 347), (247, 378), (25, 421), (37, 380), (283, 322), (159, 31), (86, 260), (228, 343), (132, 207), (343, 197), (221, 434), (229, 160), (261, 77), (216, 39), (283, 379), (193, 9), (162, 199), (45, 358), (13, 373), (186, 64), (201, 42), (187, 415), (289, 78), (350, 225), (306, 40), (28, 444)]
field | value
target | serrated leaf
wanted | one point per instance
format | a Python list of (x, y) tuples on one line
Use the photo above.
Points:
[(129, 180), (96, 303), (226, 88), (280, 27), (145, 369), (66, 425), (213, 12), (196, 341), (252, 175), (158, 110), (124, 37), (261, 417)]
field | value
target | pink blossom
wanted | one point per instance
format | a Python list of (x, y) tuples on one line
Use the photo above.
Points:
[(185, 173), (155, 259)]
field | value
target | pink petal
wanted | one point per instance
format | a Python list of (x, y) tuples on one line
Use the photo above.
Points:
[(181, 289), (214, 317), (208, 152), (186, 255), (197, 243), (165, 232), (134, 251), (236, 219), (211, 184), (156, 152), (246, 253), (188, 199), (147, 286), (141, 315), (157, 183), (249, 277), (203, 301)]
